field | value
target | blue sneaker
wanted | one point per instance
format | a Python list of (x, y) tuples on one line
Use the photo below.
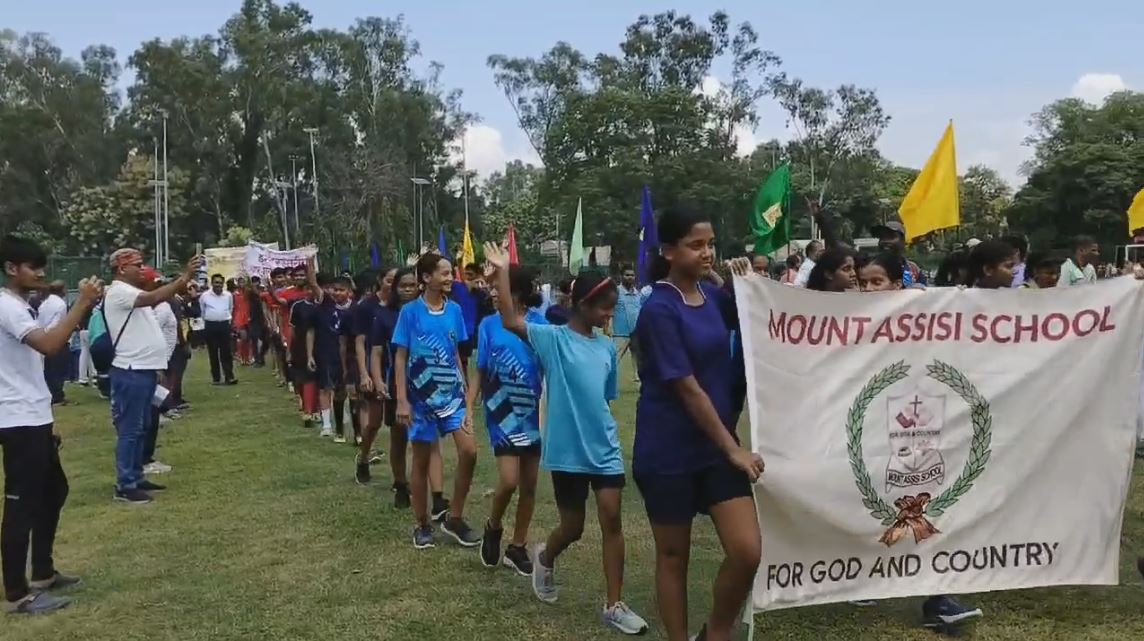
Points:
[(423, 537), (943, 612), (37, 603)]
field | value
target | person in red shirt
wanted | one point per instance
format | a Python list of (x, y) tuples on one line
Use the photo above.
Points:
[(240, 321)]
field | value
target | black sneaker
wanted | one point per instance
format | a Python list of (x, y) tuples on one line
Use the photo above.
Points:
[(943, 613), (362, 476), (423, 537), (58, 581), (461, 532), (490, 547), (133, 496), (148, 486), (440, 510), (517, 558), (401, 498)]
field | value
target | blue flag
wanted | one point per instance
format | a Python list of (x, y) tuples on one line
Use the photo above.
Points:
[(374, 255), (442, 246), (649, 239)]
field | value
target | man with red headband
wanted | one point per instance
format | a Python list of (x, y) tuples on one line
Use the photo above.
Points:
[(140, 354)]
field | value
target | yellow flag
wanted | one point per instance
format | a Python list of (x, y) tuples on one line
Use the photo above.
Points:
[(468, 257), (933, 199), (1136, 213)]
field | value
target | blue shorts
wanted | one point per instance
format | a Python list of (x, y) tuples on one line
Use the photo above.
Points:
[(427, 428)]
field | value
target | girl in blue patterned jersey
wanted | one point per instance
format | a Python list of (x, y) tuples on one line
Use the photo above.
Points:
[(508, 377), (431, 395)]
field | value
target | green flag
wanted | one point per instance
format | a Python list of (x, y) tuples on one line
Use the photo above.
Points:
[(770, 222), (576, 249)]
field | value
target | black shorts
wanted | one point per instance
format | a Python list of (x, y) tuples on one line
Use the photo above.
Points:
[(532, 449), (571, 488), (675, 499), (302, 375), (466, 348)]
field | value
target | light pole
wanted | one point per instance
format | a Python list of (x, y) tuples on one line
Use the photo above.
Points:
[(294, 182), (419, 213), (283, 185), (158, 183), (166, 201), (313, 131)]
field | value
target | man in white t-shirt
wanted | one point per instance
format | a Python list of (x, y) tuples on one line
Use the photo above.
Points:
[(813, 251), (52, 310), (140, 354), (35, 486)]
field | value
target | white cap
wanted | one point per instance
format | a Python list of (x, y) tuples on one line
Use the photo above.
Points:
[(972, 242)]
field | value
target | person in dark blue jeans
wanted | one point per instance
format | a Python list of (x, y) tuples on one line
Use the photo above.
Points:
[(140, 354)]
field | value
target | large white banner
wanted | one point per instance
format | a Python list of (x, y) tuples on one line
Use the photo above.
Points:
[(942, 441), (260, 260)]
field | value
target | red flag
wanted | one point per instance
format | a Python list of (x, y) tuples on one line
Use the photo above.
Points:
[(510, 240)]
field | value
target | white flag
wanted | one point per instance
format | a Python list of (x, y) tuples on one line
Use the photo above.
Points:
[(942, 441)]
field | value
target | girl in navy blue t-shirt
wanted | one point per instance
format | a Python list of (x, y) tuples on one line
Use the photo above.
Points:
[(687, 459)]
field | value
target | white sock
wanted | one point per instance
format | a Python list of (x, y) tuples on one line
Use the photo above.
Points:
[(326, 419)]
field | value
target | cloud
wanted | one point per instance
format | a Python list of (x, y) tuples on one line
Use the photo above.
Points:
[(1095, 87), (486, 150)]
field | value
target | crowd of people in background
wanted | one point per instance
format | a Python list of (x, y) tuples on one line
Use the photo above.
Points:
[(423, 349)]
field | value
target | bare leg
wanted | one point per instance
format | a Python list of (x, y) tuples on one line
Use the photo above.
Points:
[(466, 464), (421, 454), (672, 554), (737, 524), (608, 504), (371, 419), (567, 532), (508, 473), (398, 440), (529, 470), (436, 468)]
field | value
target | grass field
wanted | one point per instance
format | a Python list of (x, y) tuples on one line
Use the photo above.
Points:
[(264, 535)]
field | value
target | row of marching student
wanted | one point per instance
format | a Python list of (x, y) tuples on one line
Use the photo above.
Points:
[(397, 354)]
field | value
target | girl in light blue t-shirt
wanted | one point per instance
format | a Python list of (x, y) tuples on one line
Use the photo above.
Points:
[(581, 445)]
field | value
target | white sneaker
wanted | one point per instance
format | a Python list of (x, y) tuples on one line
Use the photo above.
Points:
[(543, 579), (621, 617), (155, 467), (327, 432), (339, 439)]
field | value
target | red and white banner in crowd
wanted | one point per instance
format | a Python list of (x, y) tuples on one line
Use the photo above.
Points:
[(942, 441)]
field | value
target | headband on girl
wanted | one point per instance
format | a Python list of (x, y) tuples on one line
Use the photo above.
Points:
[(592, 292)]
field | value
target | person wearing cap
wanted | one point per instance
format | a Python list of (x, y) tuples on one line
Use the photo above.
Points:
[(140, 355), (892, 239)]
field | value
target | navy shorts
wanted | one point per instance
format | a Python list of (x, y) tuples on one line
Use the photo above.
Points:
[(330, 374), (675, 499), (571, 488)]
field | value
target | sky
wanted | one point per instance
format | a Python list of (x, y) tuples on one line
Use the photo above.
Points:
[(987, 65)]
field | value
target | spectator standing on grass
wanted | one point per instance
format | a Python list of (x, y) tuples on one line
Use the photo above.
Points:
[(217, 307), (627, 312), (35, 486), (52, 310), (169, 328), (140, 354)]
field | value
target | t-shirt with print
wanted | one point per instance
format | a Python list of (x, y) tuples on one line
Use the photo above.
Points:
[(302, 315), (24, 397), (384, 322), (511, 383), (580, 432), (433, 374), (141, 345), (678, 340), (329, 324)]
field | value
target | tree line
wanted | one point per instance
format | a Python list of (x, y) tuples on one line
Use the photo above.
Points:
[(242, 107)]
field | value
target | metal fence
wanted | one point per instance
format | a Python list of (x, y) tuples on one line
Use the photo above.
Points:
[(71, 269)]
